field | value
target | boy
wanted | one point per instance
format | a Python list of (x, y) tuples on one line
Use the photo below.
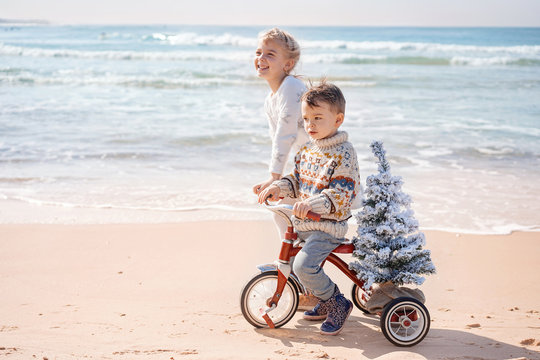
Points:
[(325, 180)]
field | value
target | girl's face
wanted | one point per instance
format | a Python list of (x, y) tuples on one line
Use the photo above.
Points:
[(271, 61)]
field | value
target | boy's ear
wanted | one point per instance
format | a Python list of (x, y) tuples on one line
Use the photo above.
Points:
[(339, 119)]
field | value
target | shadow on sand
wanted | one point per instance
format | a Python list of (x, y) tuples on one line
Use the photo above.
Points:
[(364, 334)]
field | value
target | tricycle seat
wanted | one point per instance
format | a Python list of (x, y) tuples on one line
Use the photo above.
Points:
[(346, 248)]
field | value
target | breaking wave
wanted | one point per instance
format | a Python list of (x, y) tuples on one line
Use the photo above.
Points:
[(191, 38), (508, 58), (9, 50)]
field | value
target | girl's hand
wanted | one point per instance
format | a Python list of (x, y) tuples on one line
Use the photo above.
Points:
[(271, 191), (300, 209), (260, 187)]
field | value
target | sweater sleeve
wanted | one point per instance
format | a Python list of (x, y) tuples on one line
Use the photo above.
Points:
[(289, 115), (343, 188), (288, 185)]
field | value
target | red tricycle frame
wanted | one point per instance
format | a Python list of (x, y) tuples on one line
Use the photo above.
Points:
[(270, 299)]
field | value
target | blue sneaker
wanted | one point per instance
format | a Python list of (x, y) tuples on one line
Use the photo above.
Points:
[(319, 312), (339, 309)]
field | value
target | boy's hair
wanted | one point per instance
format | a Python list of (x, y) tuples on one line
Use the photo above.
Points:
[(325, 93), (289, 43)]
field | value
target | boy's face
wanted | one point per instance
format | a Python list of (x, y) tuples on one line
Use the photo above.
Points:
[(321, 121)]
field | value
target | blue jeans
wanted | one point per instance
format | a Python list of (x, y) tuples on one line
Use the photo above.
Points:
[(307, 263)]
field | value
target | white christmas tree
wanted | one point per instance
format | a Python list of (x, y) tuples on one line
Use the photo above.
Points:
[(388, 244)]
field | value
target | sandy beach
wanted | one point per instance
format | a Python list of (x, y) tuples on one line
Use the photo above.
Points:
[(171, 291)]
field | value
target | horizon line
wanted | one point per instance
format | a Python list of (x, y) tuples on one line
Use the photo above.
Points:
[(15, 22)]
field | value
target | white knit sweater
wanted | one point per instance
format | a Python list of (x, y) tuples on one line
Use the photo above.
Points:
[(284, 114), (326, 176)]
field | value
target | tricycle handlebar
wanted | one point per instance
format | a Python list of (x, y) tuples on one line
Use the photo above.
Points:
[(279, 207)]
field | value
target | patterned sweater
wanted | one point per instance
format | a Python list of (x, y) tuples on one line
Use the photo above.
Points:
[(326, 176)]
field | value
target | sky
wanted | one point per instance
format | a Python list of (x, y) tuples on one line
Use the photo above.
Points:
[(280, 12)]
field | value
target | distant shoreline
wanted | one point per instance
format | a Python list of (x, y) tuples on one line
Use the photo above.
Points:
[(23, 22), (15, 22)]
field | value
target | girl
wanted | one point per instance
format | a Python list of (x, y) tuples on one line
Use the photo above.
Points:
[(276, 56)]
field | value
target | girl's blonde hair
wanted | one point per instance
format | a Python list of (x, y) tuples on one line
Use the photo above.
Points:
[(288, 41)]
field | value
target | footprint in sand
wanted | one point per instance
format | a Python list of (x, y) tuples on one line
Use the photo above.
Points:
[(312, 354), (189, 352), (527, 341), (288, 352), (8, 351), (7, 328), (177, 335)]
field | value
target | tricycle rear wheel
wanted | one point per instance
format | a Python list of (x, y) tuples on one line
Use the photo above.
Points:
[(405, 321)]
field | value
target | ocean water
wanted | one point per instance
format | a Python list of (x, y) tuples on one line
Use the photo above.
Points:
[(102, 124)]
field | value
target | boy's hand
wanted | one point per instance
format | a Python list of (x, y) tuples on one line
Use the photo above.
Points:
[(300, 209), (271, 191)]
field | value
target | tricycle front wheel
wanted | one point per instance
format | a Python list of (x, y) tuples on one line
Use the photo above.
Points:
[(256, 294), (360, 297)]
